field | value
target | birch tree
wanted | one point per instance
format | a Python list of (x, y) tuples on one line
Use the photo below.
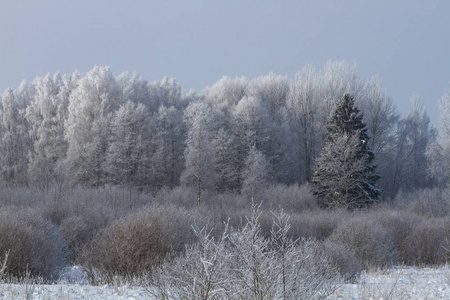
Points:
[(255, 176), (439, 151), (199, 154), (123, 162), (13, 140), (87, 127)]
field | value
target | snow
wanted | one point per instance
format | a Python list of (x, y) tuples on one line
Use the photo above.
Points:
[(399, 283), (71, 291), (395, 283)]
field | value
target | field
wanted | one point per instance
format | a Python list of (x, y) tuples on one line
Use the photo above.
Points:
[(394, 283)]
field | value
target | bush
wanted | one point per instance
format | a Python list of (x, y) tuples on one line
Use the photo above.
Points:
[(426, 202), (400, 225), (179, 196), (34, 244), (293, 198), (427, 242), (318, 224), (243, 264), (344, 259), (139, 241), (372, 245), (430, 203), (82, 212)]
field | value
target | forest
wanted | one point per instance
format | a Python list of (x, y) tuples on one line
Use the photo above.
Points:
[(129, 177)]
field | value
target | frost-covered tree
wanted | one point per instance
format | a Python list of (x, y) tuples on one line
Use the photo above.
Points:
[(304, 105), (199, 154), (14, 141), (228, 175), (226, 92), (167, 144), (250, 128), (255, 175), (87, 127), (439, 150), (344, 175), (165, 92), (123, 163), (382, 119), (46, 115), (272, 90), (133, 88), (410, 165)]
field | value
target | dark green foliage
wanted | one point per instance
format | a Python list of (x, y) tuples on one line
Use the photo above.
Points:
[(344, 174)]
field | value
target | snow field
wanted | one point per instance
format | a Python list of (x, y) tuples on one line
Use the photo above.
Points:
[(399, 283), (395, 283)]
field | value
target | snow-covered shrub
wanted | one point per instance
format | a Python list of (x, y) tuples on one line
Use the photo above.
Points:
[(372, 245), (430, 203), (400, 225), (317, 224), (199, 273), (134, 244), (34, 244), (243, 264), (424, 202), (21, 197), (83, 212), (344, 259), (427, 241), (293, 198), (179, 196)]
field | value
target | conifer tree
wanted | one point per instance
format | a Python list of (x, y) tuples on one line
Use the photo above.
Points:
[(344, 174)]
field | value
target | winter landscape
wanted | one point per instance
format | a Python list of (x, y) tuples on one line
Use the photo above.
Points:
[(324, 192), (317, 184)]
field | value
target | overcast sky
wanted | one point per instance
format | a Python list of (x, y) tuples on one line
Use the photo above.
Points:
[(405, 43)]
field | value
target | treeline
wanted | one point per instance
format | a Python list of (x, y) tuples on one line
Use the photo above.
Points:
[(236, 135)]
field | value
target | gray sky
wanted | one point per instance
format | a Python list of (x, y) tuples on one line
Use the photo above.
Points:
[(406, 43)]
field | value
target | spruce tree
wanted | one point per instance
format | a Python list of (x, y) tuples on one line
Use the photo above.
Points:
[(344, 174)]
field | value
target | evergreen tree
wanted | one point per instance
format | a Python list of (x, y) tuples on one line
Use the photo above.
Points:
[(344, 174)]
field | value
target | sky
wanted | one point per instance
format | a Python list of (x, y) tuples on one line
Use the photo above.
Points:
[(404, 42)]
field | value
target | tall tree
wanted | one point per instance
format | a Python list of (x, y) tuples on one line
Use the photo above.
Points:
[(123, 163), (414, 134), (251, 127), (168, 146), (382, 119), (87, 128), (344, 174), (304, 105), (228, 175), (199, 154), (439, 150), (255, 175), (13, 140), (46, 115)]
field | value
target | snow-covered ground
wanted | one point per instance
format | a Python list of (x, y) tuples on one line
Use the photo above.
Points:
[(399, 283), (396, 283)]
